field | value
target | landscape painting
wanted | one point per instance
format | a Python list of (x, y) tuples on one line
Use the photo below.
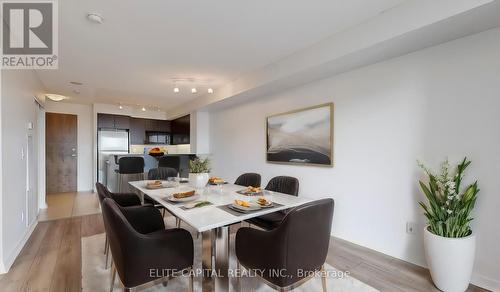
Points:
[(301, 137)]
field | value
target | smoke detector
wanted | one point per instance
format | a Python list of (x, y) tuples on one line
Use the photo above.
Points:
[(95, 17)]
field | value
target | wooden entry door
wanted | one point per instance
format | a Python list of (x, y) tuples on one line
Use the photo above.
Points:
[(61, 153)]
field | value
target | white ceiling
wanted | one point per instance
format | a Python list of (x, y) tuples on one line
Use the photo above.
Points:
[(132, 57)]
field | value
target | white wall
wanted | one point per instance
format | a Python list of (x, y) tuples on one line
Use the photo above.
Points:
[(17, 109), (85, 139), (438, 102)]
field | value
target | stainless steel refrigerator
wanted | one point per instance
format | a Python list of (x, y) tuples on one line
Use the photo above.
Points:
[(109, 144)]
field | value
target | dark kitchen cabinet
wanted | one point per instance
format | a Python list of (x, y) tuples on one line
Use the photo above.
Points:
[(137, 131), (181, 130), (106, 121), (122, 122), (149, 131), (157, 125)]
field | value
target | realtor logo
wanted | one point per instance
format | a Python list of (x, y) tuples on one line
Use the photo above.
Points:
[(29, 35)]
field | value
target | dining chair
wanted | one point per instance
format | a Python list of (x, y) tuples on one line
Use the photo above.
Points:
[(297, 248), (130, 166), (160, 173), (140, 244), (170, 161), (248, 179), (281, 184), (122, 199)]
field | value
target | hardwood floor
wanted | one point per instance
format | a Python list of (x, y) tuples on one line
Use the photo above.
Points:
[(51, 261), (73, 204)]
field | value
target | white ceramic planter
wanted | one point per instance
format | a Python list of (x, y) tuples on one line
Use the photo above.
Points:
[(198, 180), (450, 260)]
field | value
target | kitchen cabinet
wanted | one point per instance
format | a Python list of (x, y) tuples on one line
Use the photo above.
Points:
[(137, 131), (106, 121), (149, 131), (122, 122), (157, 125), (181, 130)]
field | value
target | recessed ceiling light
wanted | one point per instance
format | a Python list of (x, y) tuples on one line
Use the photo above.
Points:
[(143, 109), (193, 90), (76, 83), (120, 106), (210, 90), (55, 97), (176, 89), (95, 17)]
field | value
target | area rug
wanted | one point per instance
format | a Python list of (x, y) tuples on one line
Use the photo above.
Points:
[(96, 278)]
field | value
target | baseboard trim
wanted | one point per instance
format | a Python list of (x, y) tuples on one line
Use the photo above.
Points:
[(485, 282), (476, 279), (9, 260)]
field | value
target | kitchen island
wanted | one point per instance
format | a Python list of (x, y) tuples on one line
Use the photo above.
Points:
[(150, 162)]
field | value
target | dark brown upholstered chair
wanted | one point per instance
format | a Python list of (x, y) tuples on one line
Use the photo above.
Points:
[(284, 184), (131, 167), (139, 243), (300, 242), (248, 179), (170, 161), (281, 184), (162, 173), (122, 199)]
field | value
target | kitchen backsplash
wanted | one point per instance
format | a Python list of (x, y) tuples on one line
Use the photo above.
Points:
[(172, 149)]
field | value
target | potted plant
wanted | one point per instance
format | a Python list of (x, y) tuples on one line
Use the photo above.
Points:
[(198, 172), (448, 238)]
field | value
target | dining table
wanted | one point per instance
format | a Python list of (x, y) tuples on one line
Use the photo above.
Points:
[(212, 220)]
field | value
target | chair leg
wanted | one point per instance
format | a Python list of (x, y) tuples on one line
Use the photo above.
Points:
[(165, 281), (128, 289), (106, 265), (323, 278), (191, 280), (113, 275), (238, 277), (163, 213), (178, 222), (106, 244), (120, 182)]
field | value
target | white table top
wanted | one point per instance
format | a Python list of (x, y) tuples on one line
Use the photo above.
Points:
[(210, 217)]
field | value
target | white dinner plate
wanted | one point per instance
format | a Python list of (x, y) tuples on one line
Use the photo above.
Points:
[(164, 185), (171, 198), (253, 207), (268, 205)]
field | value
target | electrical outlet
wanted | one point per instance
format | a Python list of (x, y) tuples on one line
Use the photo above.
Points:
[(410, 227)]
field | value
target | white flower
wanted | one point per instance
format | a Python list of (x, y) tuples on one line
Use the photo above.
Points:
[(451, 197), (449, 211), (447, 203)]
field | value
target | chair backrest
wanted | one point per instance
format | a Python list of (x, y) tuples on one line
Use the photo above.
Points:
[(131, 165), (102, 192), (248, 179), (306, 230), (170, 161), (121, 234), (162, 173), (284, 184)]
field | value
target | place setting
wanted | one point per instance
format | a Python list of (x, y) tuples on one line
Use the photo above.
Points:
[(189, 199), (239, 207)]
